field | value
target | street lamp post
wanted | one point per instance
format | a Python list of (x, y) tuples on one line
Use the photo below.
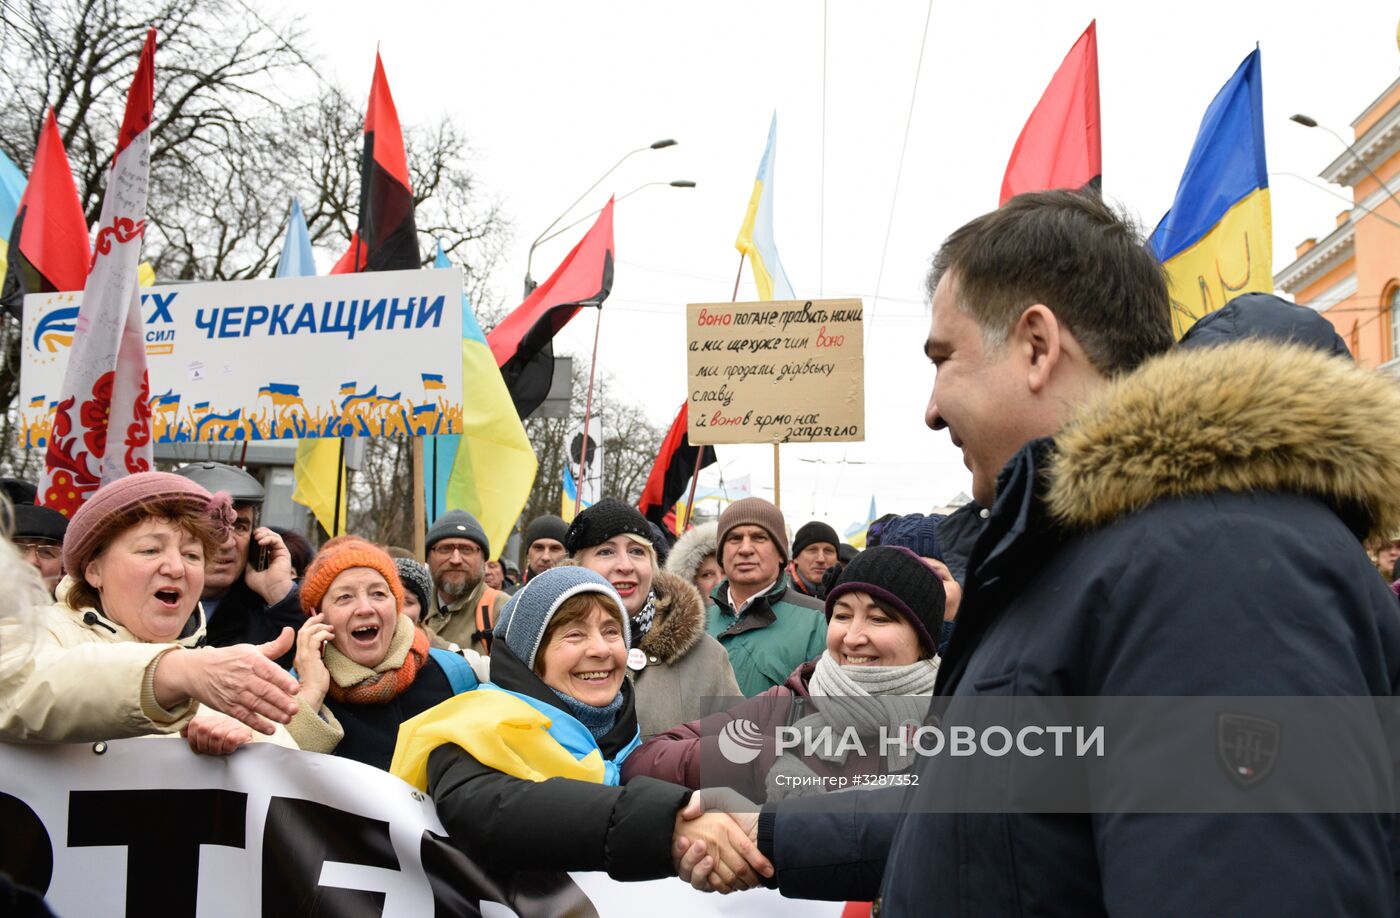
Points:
[(529, 282), (1309, 122), (678, 183)]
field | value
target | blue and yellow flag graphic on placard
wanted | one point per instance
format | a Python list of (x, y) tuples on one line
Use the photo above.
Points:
[(1217, 240), (756, 235), (492, 463)]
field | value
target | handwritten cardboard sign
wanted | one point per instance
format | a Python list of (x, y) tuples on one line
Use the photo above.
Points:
[(785, 371)]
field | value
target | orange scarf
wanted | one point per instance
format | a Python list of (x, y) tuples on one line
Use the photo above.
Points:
[(383, 687)]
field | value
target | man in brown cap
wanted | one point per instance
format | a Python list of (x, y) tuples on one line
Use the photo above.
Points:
[(768, 628)]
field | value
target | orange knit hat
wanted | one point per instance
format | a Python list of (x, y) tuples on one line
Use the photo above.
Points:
[(339, 555)]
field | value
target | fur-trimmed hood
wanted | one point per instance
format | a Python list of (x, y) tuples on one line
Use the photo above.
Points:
[(680, 618), (691, 549), (1251, 416)]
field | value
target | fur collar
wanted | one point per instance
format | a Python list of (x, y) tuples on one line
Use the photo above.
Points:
[(691, 549), (680, 618), (1251, 416)]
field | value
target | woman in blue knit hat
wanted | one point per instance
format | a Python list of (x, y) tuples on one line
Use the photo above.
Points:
[(541, 747)]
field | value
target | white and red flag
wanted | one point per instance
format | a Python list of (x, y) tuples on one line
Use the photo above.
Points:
[(102, 425)]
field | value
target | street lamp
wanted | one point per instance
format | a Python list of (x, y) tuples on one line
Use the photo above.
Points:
[(678, 183), (529, 282), (1308, 122)]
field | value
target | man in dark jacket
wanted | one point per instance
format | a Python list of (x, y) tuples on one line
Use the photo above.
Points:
[(246, 602), (1190, 527)]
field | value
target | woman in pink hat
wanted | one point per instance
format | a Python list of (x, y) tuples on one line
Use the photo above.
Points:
[(116, 655)]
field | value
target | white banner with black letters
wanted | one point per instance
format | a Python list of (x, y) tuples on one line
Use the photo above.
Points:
[(148, 828)]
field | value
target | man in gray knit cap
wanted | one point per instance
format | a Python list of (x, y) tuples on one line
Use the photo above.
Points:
[(464, 609)]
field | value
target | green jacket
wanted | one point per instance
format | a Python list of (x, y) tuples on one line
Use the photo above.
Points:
[(779, 631)]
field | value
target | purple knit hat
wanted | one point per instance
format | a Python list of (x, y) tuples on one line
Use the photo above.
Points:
[(90, 528)]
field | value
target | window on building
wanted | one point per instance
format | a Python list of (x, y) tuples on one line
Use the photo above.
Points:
[(1392, 303)]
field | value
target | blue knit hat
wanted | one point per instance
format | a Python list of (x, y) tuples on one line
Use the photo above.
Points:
[(526, 616), (916, 532)]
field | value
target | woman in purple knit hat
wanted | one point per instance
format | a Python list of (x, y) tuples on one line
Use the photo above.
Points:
[(116, 655)]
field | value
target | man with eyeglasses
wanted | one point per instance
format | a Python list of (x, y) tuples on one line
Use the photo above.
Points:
[(465, 609), (39, 537), (243, 602)]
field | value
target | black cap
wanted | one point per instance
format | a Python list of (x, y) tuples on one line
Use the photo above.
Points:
[(33, 522), (548, 526), (1263, 315), (898, 578), (811, 534), (607, 518)]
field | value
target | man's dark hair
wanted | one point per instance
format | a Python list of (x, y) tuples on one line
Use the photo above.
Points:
[(1073, 253)]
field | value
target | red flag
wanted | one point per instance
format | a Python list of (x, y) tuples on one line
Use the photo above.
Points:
[(522, 344), (102, 425), (1059, 146), (675, 467), (387, 239), (49, 243)]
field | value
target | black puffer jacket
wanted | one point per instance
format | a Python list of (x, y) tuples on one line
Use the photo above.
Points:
[(1195, 531), (510, 824), (243, 617)]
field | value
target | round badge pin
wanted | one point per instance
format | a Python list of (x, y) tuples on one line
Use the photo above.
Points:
[(636, 659)]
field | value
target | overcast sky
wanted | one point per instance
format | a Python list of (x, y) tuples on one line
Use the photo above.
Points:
[(552, 93)]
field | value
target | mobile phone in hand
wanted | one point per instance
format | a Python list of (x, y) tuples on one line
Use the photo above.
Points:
[(259, 556)]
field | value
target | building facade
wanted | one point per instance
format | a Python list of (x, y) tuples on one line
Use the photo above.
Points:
[(1352, 275)]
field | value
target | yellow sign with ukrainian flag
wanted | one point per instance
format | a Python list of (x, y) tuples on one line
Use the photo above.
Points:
[(1216, 242)]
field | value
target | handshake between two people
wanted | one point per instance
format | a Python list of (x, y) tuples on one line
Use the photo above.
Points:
[(715, 846)]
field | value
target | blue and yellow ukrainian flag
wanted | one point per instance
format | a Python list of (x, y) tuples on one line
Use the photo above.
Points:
[(492, 463), (568, 497), (432, 381), (756, 235), (12, 184), (1217, 240), (856, 535), (282, 394)]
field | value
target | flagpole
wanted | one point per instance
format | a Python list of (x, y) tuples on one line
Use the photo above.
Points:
[(694, 480), (420, 524), (777, 471), (587, 414), (339, 475)]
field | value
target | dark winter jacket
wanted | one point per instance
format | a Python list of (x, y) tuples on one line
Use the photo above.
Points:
[(243, 617), (780, 630), (511, 824), (677, 754), (1194, 531)]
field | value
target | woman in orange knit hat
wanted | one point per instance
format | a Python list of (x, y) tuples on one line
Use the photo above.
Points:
[(364, 667)]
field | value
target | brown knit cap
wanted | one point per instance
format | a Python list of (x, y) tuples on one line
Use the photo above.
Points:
[(754, 511), (339, 555)]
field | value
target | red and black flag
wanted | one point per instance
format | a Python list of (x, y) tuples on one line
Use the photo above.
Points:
[(523, 343), (1059, 146), (675, 467), (387, 239), (49, 242)]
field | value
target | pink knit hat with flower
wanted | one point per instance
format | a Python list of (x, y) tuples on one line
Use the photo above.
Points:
[(91, 527)]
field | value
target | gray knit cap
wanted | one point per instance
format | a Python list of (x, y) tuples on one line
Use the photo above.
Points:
[(526, 616), (755, 511), (458, 524), (415, 577)]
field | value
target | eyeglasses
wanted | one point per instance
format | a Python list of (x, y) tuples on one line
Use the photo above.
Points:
[(44, 551), (448, 549)]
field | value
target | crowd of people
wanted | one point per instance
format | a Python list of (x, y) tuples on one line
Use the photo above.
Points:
[(1213, 516)]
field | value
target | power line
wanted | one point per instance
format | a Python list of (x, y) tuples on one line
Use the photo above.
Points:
[(894, 198)]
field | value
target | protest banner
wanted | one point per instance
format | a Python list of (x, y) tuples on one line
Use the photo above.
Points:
[(147, 828), (790, 371), (347, 355)]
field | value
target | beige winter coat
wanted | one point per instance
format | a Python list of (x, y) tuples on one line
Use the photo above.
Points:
[(81, 677), (685, 666)]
